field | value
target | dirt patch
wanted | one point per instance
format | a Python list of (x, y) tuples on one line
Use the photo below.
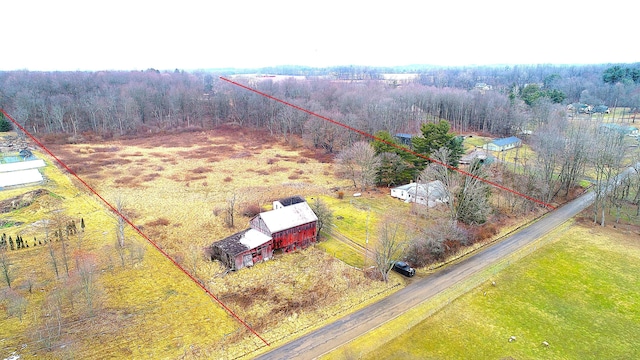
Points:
[(21, 201)]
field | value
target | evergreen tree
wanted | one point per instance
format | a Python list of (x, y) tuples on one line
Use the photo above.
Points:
[(5, 125), (436, 136), (397, 166)]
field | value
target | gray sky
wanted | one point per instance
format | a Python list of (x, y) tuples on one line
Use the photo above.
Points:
[(189, 34)]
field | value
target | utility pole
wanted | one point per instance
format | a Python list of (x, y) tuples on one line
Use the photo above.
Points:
[(366, 242)]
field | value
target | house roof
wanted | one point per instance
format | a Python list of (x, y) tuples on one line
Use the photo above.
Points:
[(404, 187), (506, 141), (291, 200), (620, 128), (288, 217), (432, 190), (404, 136), (242, 241), (468, 158)]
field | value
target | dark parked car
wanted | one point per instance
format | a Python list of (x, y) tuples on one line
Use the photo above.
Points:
[(404, 268)]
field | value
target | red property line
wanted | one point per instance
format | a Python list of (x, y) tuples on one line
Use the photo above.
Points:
[(135, 227), (492, 183)]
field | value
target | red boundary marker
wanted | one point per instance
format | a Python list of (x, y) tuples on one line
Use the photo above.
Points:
[(492, 183), (135, 228)]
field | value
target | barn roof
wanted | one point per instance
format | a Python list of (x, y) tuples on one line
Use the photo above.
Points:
[(241, 241), (288, 217), (506, 141)]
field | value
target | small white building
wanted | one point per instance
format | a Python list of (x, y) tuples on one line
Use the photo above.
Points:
[(21, 173), (430, 194)]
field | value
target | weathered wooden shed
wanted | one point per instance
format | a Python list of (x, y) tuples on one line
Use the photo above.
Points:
[(291, 227), (242, 249)]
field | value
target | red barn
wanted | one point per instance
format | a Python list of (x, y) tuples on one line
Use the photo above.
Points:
[(242, 249), (291, 227)]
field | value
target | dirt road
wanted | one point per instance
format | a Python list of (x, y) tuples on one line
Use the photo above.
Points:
[(335, 334)]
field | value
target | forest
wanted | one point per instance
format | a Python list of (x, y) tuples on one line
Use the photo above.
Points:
[(71, 107), (118, 103)]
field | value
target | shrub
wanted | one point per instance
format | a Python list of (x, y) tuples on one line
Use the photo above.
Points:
[(159, 222), (228, 179), (5, 125), (250, 210)]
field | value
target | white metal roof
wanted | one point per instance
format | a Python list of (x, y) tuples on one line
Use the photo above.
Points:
[(20, 177), (288, 217), (22, 165), (254, 238)]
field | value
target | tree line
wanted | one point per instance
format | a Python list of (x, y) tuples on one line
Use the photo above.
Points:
[(116, 103)]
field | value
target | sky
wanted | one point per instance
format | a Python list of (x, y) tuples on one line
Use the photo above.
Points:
[(69, 35)]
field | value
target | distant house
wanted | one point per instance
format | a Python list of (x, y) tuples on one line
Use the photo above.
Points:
[(401, 192), (481, 155), (623, 130), (26, 154), (483, 87), (291, 227), (503, 144), (601, 109), (404, 139), (430, 194)]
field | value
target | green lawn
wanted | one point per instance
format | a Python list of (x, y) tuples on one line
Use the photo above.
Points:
[(579, 293), (354, 217), (342, 252)]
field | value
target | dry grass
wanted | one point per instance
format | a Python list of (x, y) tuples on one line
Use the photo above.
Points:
[(175, 192)]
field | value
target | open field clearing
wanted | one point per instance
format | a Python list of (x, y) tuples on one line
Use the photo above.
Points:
[(578, 293), (173, 187), (134, 313)]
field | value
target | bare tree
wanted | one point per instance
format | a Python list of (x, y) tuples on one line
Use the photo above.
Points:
[(324, 214), (60, 223), (120, 222), (466, 196), (87, 272), (230, 210), (359, 163), (607, 152), (15, 304), (618, 196), (52, 253), (389, 247), (5, 265)]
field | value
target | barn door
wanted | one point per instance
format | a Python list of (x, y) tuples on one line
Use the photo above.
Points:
[(247, 260)]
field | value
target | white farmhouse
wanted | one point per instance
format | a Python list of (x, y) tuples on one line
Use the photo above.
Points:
[(430, 194)]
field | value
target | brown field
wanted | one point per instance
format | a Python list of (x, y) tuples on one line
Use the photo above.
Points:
[(173, 188)]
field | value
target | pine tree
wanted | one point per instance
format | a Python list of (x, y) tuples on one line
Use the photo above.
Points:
[(5, 125)]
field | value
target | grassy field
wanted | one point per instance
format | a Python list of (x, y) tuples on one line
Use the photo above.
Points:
[(142, 306), (579, 293)]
